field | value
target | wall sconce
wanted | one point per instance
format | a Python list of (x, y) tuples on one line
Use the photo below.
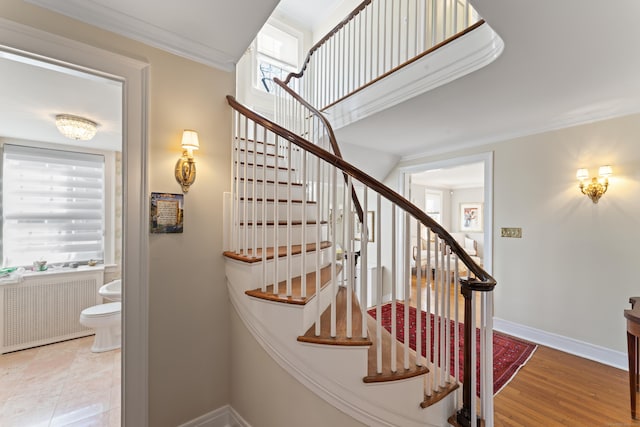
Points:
[(598, 186), (186, 166)]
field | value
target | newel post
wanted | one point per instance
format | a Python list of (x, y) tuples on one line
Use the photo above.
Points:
[(463, 417)]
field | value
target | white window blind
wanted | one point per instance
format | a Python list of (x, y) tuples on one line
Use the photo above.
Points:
[(53, 206)]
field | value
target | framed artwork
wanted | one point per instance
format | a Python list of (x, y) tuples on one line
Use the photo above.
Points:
[(470, 216), (357, 230), (166, 213)]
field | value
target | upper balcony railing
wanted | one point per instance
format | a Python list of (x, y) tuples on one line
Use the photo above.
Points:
[(376, 39)]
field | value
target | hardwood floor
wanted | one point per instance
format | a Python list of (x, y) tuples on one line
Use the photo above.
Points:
[(559, 389)]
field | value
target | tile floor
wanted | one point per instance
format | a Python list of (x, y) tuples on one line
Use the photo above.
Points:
[(62, 384)]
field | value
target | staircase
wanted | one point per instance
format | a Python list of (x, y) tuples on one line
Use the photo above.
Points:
[(314, 244)]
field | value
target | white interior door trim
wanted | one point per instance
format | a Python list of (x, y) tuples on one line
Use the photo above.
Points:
[(487, 159), (26, 41)]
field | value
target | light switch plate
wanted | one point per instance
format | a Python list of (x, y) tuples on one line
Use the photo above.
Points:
[(515, 232)]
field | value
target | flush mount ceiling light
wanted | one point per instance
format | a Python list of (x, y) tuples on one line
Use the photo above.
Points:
[(75, 127)]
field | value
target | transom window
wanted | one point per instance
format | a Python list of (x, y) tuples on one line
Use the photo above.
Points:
[(53, 206)]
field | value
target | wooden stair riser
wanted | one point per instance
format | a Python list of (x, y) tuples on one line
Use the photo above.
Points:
[(249, 276), (297, 191), (294, 236), (297, 213), (256, 147), (252, 172), (251, 157)]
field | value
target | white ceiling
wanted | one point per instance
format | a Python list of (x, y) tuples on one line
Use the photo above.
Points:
[(457, 177), (564, 63), (33, 92), (309, 13)]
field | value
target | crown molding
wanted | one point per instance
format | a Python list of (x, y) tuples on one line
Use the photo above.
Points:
[(111, 20)]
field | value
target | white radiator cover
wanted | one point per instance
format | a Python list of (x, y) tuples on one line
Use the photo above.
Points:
[(45, 307)]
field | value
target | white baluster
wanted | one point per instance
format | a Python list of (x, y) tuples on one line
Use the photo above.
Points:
[(406, 268), (379, 287), (394, 293), (350, 257)]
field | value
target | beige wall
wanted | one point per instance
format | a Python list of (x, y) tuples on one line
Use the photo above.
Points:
[(267, 396), (574, 269), (188, 303)]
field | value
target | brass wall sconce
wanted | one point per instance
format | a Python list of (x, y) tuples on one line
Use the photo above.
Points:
[(186, 165), (598, 185)]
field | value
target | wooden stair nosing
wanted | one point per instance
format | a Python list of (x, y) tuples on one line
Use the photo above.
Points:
[(269, 181), (283, 222), (260, 199), (256, 142), (341, 338), (260, 153), (251, 165), (437, 396), (282, 252), (387, 374), (296, 287)]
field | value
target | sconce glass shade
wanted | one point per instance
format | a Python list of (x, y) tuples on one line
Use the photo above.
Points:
[(190, 140), (605, 171), (582, 174), (75, 127)]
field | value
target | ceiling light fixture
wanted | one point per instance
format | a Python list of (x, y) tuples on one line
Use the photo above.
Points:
[(75, 127)]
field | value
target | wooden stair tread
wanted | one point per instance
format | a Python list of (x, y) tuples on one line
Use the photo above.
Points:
[(341, 324), (260, 199), (260, 153), (282, 222), (282, 252), (296, 287), (251, 165), (257, 142), (386, 374), (439, 395), (270, 181)]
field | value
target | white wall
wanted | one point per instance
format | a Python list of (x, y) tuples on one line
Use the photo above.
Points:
[(267, 396), (573, 271)]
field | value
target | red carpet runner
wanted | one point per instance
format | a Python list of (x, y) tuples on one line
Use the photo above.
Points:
[(509, 354)]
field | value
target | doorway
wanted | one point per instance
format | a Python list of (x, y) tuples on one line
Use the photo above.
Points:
[(58, 51), (458, 194)]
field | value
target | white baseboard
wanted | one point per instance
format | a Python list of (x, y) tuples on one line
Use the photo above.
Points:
[(583, 349), (225, 416)]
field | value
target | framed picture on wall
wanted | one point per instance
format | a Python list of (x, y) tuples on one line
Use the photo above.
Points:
[(470, 216)]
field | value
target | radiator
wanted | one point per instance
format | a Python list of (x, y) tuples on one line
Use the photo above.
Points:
[(45, 307)]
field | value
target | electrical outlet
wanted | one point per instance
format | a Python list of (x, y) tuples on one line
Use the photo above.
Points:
[(515, 232)]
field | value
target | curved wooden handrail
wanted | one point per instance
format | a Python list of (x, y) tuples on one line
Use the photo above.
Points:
[(483, 280), (322, 41), (332, 137)]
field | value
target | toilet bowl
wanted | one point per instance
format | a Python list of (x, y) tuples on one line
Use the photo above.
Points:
[(105, 319)]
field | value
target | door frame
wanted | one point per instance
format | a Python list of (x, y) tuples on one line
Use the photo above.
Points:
[(18, 39), (487, 159)]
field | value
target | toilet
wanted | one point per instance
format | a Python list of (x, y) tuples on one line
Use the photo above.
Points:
[(105, 319)]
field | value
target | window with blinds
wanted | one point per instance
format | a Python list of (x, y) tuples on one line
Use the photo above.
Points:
[(53, 206)]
